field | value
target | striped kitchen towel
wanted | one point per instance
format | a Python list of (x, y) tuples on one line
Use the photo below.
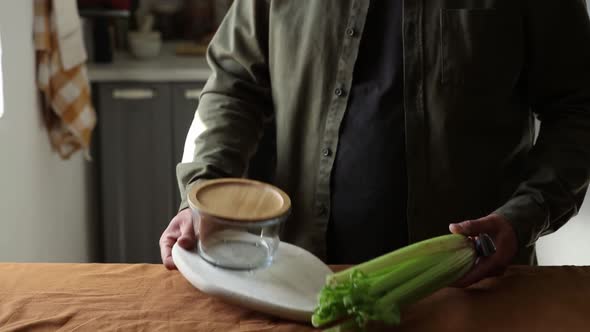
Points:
[(62, 78)]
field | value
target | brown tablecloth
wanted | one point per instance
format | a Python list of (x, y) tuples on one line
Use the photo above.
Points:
[(101, 297)]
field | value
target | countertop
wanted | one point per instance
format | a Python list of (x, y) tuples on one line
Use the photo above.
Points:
[(167, 67), (143, 297)]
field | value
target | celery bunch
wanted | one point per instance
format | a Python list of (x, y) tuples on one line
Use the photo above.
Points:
[(377, 290)]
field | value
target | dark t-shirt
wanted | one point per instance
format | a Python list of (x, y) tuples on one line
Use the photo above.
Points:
[(369, 181)]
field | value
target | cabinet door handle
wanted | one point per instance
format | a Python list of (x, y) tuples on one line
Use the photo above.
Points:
[(133, 94), (192, 93)]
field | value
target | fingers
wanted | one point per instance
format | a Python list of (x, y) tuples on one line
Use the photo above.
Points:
[(474, 227), (506, 244), (179, 230), (166, 243), (187, 237), (167, 240)]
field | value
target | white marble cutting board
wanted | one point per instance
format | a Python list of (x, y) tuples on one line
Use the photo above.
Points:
[(287, 289)]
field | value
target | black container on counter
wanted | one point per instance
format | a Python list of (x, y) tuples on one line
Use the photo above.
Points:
[(103, 48)]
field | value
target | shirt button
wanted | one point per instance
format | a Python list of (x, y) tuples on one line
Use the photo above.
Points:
[(350, 32), (339, 92), (327, 152)]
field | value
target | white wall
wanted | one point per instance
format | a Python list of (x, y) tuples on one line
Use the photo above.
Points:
[(570, 245), (44, 209)]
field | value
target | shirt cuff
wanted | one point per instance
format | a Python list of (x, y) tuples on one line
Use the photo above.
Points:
[(184, 196), (528, 219)]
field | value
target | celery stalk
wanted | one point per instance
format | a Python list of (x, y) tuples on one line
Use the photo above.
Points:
[(377, 290), (446, 271), (438, 244), (405, 271)]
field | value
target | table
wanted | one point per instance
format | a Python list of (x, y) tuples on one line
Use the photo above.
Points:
[(141, 297)]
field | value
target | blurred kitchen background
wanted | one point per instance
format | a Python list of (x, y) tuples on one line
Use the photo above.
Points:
[(146, 66)]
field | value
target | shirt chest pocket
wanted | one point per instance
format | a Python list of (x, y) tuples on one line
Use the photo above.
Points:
[(481, 48)]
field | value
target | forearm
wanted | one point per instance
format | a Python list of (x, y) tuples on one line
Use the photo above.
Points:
[(558, 77), (235, 102)]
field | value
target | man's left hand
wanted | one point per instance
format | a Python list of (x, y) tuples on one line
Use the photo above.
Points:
[(501, 231)]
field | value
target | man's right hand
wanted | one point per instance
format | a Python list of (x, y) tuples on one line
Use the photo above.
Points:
[(180, 230)]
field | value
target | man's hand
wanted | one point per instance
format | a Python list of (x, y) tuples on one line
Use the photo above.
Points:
[(180, 230), (501, 231)]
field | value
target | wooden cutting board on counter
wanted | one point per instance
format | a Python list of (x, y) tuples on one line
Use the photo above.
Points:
[(287, 289)]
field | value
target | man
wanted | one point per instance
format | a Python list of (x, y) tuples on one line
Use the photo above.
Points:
[(397, 118)]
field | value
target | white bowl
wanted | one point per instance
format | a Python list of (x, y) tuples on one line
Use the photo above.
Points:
[(144, 45)]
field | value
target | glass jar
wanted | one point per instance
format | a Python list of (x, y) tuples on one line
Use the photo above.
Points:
[(238, 221)]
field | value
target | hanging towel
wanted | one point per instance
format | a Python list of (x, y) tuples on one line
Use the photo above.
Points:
[(62, 78)]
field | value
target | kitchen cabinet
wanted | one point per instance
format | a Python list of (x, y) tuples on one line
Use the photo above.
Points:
[(141, 129)]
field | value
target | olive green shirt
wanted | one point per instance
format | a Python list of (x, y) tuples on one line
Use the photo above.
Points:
[(475, 75)]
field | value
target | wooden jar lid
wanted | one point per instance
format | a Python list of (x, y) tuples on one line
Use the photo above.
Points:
[(239, 199)]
